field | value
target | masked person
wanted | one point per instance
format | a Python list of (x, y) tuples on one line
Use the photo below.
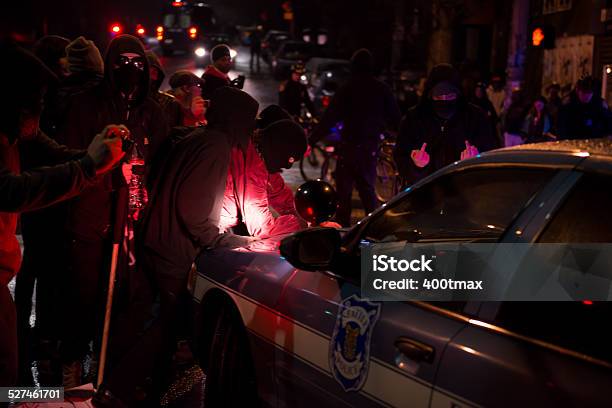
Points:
[(585, 116), (442, 128), (123, 96), (216, 75), (293, 94), (172, 109), (367, 107), (182, 219), (56, 173), (187, 89)]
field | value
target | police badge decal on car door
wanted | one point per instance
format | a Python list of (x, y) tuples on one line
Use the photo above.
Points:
[(349, 349)]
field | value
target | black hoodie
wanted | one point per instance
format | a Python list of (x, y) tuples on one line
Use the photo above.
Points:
[(89, 112), (445, 138), (168, 103), (185, 203)]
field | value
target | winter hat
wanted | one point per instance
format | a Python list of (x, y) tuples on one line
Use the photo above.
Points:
[(184, 78), (27, 78), (50, 49), (219, 52), (84, 56), (271, 114), (362, 62), (281, 144), (233, 112)]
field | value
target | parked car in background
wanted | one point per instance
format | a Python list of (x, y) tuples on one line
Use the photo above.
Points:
[(271, 42), (294, 331), (291, 53)]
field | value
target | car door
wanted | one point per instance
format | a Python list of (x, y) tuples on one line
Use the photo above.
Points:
[(398, 349), (544, 354)]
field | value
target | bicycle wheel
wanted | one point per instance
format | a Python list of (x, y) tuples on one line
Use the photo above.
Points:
[(386, 179)]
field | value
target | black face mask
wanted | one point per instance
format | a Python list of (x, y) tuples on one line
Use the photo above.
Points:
[(445, 109), (128, 78)]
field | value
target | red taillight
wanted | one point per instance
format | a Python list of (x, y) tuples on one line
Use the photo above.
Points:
[(116, 28), (140, 30), (587, 302), (325, 101), (193, 32), (177, 3)]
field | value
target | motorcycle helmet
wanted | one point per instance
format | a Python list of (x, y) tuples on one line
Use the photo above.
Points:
[(316, 201)]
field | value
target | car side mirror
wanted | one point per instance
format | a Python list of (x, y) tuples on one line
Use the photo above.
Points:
[(312, 249)]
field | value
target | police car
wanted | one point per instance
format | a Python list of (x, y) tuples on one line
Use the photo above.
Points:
[(294, 331)]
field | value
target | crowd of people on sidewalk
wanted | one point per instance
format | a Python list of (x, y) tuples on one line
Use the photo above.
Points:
[(112, 173), (168, 174)]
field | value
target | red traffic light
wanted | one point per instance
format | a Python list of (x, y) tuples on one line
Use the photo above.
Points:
[(537, 37), (543, 37)]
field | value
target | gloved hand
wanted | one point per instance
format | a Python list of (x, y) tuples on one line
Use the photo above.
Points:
[(106, 148)]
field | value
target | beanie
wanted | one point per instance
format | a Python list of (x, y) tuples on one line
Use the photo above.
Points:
[(84, 56)]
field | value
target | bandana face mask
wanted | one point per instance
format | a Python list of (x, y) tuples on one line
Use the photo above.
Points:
[(129, 73)]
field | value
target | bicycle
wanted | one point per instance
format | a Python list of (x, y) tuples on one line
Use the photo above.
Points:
[(324, 154)]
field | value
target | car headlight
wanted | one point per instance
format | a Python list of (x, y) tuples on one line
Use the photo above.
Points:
[(233, 53), (200, 52)]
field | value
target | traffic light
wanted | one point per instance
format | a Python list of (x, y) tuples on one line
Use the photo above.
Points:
[(543, 37)]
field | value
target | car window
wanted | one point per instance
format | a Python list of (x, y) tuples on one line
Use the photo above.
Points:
[(585, 215), (169, 20), (473, 205), (184, 21), (579, 326)]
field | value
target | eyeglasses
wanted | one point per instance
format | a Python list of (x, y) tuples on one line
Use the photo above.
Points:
[(137, 62)]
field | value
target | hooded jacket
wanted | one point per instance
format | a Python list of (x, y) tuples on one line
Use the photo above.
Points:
[(185, 203), (251, 190), (365, 105), (445, 138), (68, 171), (170, 106), (89, 113)]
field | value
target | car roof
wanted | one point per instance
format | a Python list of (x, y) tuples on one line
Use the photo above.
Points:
[(600, 147)]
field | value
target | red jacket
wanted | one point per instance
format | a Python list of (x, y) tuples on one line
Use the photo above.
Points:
[(250, 191)]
